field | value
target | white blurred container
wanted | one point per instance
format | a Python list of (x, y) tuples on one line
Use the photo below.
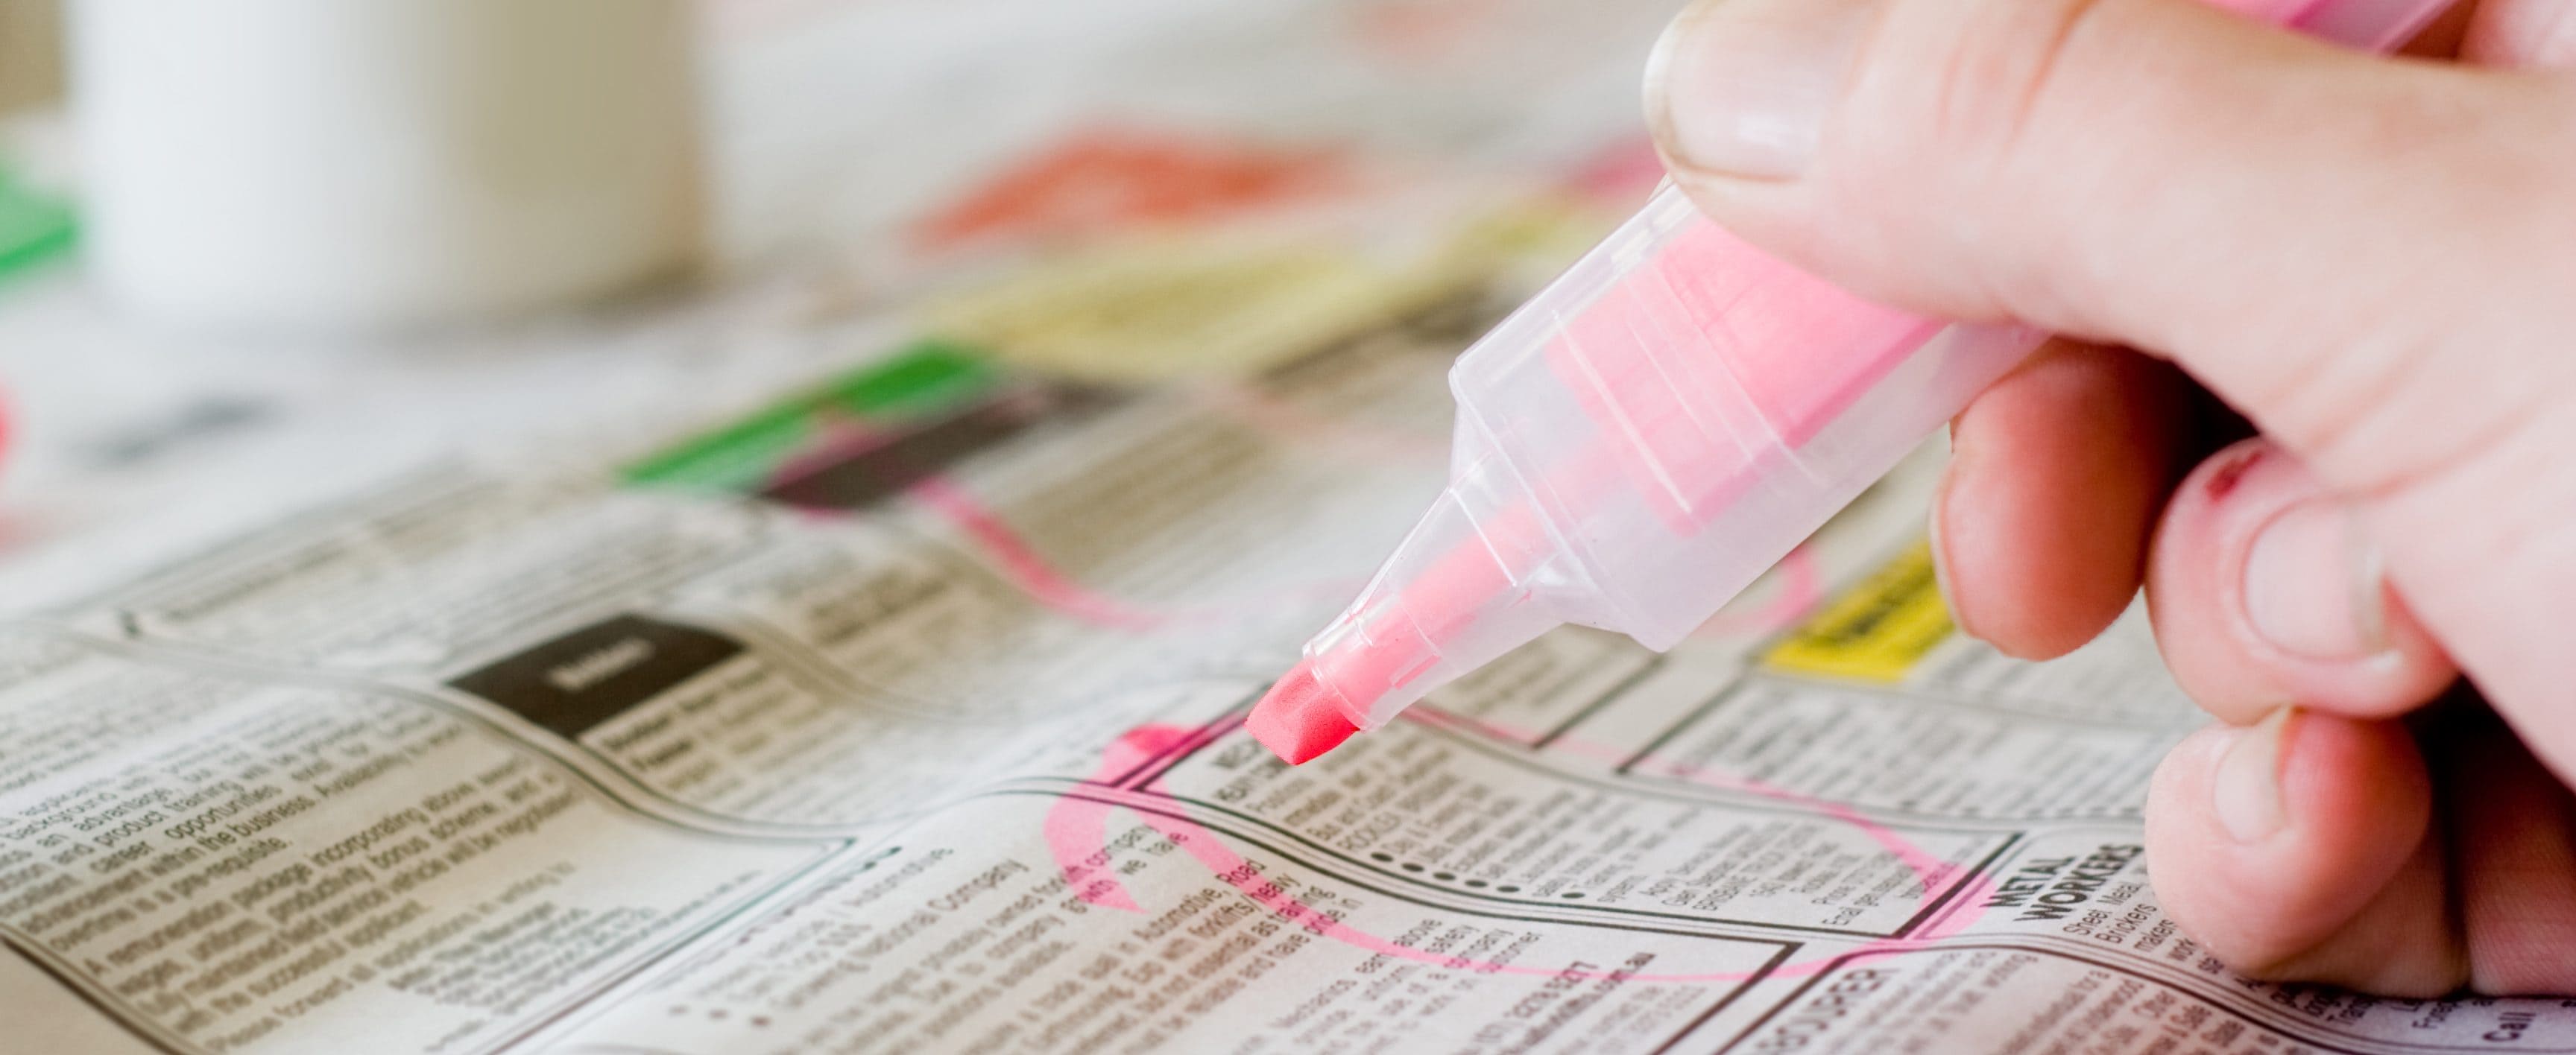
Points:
[(375, 164)]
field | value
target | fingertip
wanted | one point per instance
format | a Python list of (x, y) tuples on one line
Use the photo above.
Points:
[(2041, 525), (2521, 33), (2341, 887), (2265, 589)]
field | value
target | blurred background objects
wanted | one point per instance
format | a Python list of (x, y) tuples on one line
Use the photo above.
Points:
[(1127, 189), (30, 52), (380, 164)]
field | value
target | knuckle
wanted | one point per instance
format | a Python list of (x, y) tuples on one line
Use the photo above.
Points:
[(2454, 334), (1966, 108), (1965, 80)]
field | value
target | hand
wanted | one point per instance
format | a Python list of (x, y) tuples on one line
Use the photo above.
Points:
[(2373, 261)]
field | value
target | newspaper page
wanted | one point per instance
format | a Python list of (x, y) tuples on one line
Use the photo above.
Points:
[(903, 714)]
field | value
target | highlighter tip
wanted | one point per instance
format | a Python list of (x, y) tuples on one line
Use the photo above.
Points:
[(1298, 719)]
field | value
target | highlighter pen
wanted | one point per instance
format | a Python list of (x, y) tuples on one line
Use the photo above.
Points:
[(1653, 431)]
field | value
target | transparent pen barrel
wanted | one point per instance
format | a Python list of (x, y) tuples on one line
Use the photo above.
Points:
[(1679, 412)]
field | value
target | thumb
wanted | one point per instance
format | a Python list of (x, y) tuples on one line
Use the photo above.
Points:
[(2307, 230)]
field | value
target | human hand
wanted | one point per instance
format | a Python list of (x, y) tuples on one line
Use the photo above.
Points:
[(2374, 261)]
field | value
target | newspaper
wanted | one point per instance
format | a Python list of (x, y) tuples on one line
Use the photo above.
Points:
[(903, 714)]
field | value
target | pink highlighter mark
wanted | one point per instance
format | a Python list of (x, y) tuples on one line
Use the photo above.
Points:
[(1033, 574), (1928, 869), (844, 438), (1010, 553), (1284, 418), (1076, 832), (1024, 566)]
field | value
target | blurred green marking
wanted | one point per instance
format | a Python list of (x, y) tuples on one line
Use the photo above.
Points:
[(33, 228), (924, 379)]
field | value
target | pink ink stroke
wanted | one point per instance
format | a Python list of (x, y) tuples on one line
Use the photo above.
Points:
[(1076, 831), (1285, 418), (1025, 567), (1010, 553)]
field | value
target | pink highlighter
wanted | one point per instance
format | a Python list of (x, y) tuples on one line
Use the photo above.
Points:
[(1659, 426)]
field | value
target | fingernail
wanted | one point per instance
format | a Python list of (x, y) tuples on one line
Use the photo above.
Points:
[(1743, 87), (2314, 585), (2246, 790), (1941, 560)]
